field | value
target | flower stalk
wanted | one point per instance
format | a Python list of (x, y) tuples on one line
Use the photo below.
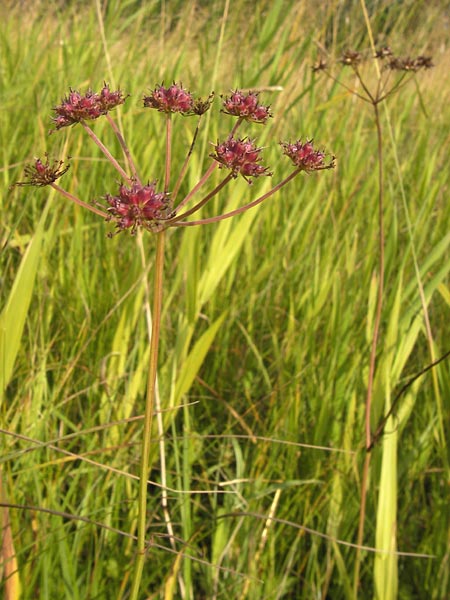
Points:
[(148, 418)]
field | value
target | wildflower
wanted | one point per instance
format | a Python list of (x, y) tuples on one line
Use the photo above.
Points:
[(75, 107), (351, 58), (109, 100), (41, 173), (241, 156), (305, 157), (174, 99), (138, 206), (246, 106)]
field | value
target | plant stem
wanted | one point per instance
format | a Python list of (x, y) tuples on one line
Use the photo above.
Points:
[(186, 162), (202, 202), (148, 418), (73, 198), (373, 351), (198, 185), (124, 147), (106, 152), (240, 210)]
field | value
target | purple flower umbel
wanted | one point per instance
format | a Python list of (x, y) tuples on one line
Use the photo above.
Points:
[(174, 99), (305, 157), (138, 206), (76, 107), (246, 106), (242, 156)]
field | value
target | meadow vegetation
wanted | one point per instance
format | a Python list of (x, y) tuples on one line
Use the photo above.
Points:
[(267, 318)]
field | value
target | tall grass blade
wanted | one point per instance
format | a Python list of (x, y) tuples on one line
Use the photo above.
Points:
[(15, 311)]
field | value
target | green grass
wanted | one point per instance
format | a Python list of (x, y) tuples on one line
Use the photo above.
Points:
[(267, 318)]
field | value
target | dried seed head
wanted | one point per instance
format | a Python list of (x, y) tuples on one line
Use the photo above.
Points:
[(201, 106), (319, 65), (40, 174), (410, 64), (424, 62), (351, 58), (383, 52)]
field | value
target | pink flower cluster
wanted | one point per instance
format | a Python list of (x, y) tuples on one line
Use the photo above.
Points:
[(174, 99), (305, 157), (141, 206), (246, 106), (241, 156), (138, 206), (76, 107)]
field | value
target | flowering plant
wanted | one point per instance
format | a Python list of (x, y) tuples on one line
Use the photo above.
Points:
[(148, 206)]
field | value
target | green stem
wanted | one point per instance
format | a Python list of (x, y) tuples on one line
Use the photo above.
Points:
[(148, 418)]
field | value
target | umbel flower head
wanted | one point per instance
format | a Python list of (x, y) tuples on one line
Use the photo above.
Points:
[(76, 107), (305, 157), (173, 99), (240, 155), (246, 106), (40, 174), (138, 206)]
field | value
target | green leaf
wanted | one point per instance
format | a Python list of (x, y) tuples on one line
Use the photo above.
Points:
[(14, 313)]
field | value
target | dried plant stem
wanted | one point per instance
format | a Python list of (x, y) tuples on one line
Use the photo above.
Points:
[(148, 418), (373, 351)]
